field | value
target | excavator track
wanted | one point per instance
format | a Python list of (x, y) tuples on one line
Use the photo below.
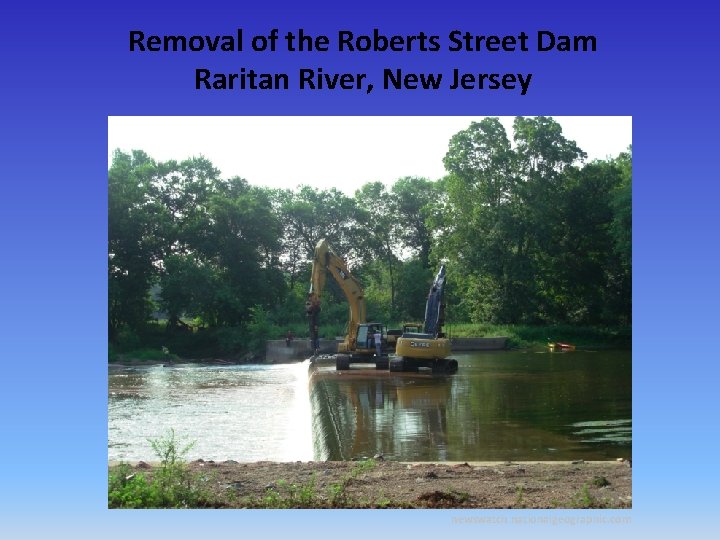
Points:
[(342, 362), (400, 364)]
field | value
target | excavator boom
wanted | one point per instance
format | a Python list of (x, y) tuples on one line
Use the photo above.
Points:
[(325, 260), (435, 306)]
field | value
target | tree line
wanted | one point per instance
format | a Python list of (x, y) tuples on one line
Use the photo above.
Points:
[(531, 234)]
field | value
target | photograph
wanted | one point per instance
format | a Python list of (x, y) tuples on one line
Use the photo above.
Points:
[(370, 312)]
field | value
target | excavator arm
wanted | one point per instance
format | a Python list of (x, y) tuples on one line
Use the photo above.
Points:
[(435, 306), (325, 261)]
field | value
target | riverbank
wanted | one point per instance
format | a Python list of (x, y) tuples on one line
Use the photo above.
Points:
[(376, 483), (124, 363), (530, 336), (198, 345), (465, 337)]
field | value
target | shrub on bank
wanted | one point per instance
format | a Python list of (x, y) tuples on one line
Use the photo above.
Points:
[(521, 336), (239, 342), (171, 485)]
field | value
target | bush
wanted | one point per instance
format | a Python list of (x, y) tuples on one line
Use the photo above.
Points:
[(127, 340), (531, 335), (172, 485), (260, 329)]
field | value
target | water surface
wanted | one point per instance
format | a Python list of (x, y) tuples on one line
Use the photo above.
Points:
[(246, 413), (498, 406), (517, 405)]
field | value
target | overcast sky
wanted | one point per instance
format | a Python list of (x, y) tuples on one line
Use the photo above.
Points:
[(331, 151)]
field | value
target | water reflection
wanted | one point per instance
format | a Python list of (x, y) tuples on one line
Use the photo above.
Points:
[(498, 406), (519, 406), (364, 412)]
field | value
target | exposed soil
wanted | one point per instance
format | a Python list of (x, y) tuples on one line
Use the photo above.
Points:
[(386, 484)]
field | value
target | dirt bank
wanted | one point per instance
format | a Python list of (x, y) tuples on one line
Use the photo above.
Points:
[(383, 484)]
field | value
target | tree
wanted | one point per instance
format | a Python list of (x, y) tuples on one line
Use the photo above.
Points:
[(414, 280), (134, 240), (411, 201), (479, 227), (544, 156), (189, 288), (244, 246), (379, 240), (527, 226), (621, 227), (620, 276), (212, 244), (575, 270), (309, 215)]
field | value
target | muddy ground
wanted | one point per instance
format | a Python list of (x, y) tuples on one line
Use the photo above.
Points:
[(385, 484)]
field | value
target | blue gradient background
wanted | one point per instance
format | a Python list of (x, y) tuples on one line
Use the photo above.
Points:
[(65, 69)]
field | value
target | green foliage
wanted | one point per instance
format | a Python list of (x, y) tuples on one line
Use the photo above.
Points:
[(129, 490), (290, 496), (211, 244), (127, 340), (230, 340), (171, 485), (527, 229), (413, 202), (308, 215), (413, 285), (190, 287), (260, 328), (112, 353), (305, 495), (584, 499), (149, 354), (366, 465), (290, 310), (338, 492), (521, 336), (600, 481), (530, 234)]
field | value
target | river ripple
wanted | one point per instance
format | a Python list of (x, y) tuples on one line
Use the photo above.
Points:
[(518, 405)]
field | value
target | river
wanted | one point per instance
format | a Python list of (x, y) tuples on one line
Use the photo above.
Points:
[(505, 405)]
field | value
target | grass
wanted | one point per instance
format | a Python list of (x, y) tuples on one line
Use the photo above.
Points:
[(172, 485), (339, 494), (306, 495), (584, 499), (290, 496), (600, 481), (144, 354), (522, 336)]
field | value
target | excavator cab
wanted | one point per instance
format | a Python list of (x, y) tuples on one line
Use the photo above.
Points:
[(365, 350), (366, 337)]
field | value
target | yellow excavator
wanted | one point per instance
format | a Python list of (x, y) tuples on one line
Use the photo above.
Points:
[(359, 343), (429, 348)]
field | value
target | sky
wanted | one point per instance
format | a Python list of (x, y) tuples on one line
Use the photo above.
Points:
[(331, 151)]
